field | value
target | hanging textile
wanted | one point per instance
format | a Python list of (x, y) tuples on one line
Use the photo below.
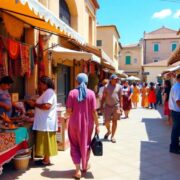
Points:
[(41, 65), (92, 68), (5, 61), (40, 48), (16, 64), (13, 26), (85, 67), (32, 57), (25, 61), (13, 49), (41, 69)]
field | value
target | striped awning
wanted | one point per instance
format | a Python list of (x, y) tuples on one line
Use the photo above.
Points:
[(35, 14)]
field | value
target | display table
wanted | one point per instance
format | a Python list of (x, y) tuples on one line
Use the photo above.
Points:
[(11, 142)]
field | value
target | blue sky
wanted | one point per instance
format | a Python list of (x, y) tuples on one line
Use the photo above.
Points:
[(133, 17)]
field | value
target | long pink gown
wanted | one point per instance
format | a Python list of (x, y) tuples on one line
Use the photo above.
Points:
[(81, 126)]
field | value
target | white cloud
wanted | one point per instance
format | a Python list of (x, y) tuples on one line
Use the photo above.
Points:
[(177, 14), (162, 14)]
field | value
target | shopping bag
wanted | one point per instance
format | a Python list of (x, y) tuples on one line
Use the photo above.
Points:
[(97, 145)]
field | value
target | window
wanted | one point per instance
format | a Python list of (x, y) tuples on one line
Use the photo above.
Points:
[(156, 60), (64, 12), (99, 42), (135, 60), (173, 46), (156, 47), (128, 60)]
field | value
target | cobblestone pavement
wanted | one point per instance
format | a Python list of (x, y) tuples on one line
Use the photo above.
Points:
[(141, 152)]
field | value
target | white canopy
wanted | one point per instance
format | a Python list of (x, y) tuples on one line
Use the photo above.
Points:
[(107, 60), (62, 53), (133, 78), (173, 69)]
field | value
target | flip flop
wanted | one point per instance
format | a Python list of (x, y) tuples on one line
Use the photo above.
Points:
[(77, 176), (113, 140), (42, 163)]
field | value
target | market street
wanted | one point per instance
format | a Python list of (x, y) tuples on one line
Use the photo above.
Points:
[(141, 152)]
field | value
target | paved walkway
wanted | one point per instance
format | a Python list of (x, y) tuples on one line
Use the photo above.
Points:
[(141, 152)]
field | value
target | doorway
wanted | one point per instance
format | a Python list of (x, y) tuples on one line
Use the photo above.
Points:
[(63, 83)]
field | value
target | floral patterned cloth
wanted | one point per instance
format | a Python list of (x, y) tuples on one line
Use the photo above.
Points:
[(7, 140)]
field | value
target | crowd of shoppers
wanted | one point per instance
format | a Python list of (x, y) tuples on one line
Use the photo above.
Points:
[(114, 97)]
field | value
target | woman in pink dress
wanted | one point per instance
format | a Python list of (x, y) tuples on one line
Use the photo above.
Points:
[(81, 106)]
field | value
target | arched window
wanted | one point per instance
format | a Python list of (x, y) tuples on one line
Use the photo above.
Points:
[(64, 12)]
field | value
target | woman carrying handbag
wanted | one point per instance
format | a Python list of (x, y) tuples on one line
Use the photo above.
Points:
[(81, 107)]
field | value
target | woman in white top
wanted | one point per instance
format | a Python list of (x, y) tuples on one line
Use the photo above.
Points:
[(45, 121)]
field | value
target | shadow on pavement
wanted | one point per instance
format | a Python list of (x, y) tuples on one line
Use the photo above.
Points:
[(155, 159), (15, 174), (63, 174)]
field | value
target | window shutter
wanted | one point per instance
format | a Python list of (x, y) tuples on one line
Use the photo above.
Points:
[(156, 47), (173, 46), (128, 60)]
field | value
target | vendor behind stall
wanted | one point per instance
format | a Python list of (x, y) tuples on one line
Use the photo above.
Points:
[(5, 98)]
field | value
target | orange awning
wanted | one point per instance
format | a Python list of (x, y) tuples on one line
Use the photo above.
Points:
[(35, 14)]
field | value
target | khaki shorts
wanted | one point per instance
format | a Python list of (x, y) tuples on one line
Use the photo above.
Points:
[(112, 113)]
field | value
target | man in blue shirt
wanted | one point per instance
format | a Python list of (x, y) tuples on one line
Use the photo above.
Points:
[(174, 106), (5, 98)]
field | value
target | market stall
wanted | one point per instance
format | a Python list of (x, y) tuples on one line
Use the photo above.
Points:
[(14, 141)]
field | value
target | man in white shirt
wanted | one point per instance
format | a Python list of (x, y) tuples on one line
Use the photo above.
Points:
[(174, 106)]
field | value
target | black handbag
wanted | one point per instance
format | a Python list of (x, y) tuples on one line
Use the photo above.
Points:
[(97, 145)]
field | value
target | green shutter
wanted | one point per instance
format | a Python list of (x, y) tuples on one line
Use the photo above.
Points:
[(156, 47), (173, 46), (128, 59), (99, 42)]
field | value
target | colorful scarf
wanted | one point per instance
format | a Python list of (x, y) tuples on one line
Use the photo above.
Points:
[(82, 79)]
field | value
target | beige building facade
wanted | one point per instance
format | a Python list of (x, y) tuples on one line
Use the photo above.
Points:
[(159, 44), (108, 40), (81, 15), (131, 60)]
